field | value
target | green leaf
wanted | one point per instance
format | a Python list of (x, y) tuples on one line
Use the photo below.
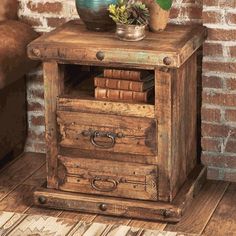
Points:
[(164, 4)]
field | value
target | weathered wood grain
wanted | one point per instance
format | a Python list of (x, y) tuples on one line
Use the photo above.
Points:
[(53, 84), (16, 174), (113, 206), (176, 100), (113, 108), (147, 224), (111, 220), (201, 209), (70, 43), (223, 221), (108, 178), (163, 101), (137, 133)]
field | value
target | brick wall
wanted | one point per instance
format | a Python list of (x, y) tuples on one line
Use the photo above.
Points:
[(218, 81), (219, 89)]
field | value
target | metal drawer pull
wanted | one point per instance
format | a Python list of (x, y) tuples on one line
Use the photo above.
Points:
[(94, 184), (111, 136)]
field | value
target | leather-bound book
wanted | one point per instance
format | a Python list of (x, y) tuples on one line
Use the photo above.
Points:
[(118, 95), (137, 86), (137, 75)]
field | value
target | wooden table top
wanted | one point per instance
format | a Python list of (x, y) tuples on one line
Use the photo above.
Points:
[(70, 41)]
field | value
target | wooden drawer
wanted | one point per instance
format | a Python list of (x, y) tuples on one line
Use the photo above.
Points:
[(110, 178), (112, 133)]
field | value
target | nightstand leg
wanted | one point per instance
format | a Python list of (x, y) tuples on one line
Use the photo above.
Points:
[(53, 86)]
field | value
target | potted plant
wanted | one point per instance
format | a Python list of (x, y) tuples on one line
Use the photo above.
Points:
[(131, 19), (159, 13)]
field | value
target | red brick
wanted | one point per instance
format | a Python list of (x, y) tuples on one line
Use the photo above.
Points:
[(221, 161), (35, 106), (222, 34), (211, 17), (211, 115), (37, 120), (209, 144), (232, 51), (212, 49), (217, 130), (54, 7), (230, 115), (231, 147), (231, 84), (231, 18), (192, 12), (219, 99), (227, 67), (211, 82), (220, 3), (55, 22)]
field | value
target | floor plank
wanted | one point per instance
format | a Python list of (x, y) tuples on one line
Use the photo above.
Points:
[(37, 179), (201, 209), (112, 220), (79, 216), (18, 200), (18, 172), (145, 224), (223, 221)]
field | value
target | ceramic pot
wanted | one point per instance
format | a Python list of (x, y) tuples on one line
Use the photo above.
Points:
[(95, 15), (158, 17), (130, 32)]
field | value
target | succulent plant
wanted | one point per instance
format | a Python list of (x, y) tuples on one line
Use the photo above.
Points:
[(129, 12)]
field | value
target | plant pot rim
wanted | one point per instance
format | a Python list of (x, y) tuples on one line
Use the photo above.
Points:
[(131, 26)]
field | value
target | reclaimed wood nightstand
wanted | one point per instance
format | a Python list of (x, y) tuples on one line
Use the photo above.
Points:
[(150, 171)]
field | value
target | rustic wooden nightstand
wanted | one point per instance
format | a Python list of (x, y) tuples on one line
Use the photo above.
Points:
[(151, 170)]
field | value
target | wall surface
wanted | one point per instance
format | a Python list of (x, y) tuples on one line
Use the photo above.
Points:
[(218, 81), (219, 89)]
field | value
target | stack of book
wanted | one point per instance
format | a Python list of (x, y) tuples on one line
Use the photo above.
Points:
[(125, 85)]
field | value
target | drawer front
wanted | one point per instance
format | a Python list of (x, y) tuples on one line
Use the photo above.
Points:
[(112, 133), (110, 178)]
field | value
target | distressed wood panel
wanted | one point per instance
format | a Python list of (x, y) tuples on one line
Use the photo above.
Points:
[(108, 178), (176, 100), (125, 208), (113, 108), (53, 84), (70, 43), (138, 134)]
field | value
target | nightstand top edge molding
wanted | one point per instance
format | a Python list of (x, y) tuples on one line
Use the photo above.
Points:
[(72, 42)]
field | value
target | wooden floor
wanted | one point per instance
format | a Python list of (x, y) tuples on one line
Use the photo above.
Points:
[(212, 213)]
